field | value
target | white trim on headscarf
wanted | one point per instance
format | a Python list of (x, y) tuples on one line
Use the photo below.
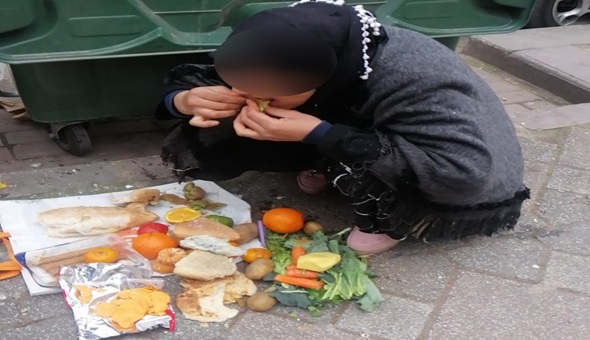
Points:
[(368, 22)]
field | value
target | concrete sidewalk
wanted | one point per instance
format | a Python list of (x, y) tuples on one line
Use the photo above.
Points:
[(531, 283), (556, 59)]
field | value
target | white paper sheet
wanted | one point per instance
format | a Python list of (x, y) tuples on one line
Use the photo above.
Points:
[(19, 218)]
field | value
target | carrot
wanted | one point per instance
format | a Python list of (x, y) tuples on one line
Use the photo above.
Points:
[(291, 267), (296, 253), (300, 282), (304, 274)]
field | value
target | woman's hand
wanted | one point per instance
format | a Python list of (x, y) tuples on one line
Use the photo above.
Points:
[(208, 103), (274, 124)]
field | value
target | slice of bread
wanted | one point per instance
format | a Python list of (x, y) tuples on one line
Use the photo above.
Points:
[(202, 265), (204, 300), (211, 244), (238, 286), (205, 305), (203, 226)]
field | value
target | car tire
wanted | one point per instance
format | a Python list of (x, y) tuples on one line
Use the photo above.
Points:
[(545, 12)]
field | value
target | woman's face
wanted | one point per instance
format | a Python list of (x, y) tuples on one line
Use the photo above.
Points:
[(284, 102)]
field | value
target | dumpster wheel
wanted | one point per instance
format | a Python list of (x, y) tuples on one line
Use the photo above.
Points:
[(74, 139)]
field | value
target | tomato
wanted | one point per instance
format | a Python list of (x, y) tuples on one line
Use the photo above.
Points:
[(152, 227), (254, 254)]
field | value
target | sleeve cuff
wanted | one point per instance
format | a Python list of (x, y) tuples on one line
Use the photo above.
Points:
[(332, 138), (317, 133), (169, 103)]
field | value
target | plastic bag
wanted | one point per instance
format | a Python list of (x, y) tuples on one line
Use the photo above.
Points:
[(113, 299)]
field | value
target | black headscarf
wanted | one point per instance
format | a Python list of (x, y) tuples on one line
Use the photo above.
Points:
[(281, 37)]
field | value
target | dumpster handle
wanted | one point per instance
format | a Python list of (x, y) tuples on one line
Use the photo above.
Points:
[(171, 34)]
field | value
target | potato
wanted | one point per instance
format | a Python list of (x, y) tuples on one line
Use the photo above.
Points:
[(259, 268), (312, 227), (261, 302), (247, 231)]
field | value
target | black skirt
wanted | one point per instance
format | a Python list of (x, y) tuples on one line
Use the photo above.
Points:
[(398, 212)]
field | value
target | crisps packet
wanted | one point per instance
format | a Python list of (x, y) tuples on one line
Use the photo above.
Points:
[(112, 299)]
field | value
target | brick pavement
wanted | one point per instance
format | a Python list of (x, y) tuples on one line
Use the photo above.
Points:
[(530, 283)]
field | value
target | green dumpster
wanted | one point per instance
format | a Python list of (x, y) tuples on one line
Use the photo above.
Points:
[(75, 61)]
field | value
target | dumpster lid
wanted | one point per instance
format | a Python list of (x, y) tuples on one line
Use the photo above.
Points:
[(57, 30)]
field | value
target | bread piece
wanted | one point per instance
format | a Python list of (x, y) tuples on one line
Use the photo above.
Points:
[(151, 196), (237, 286), (88, 221), (202, 265), (205, 305), (203, 300), (203, 226), (211, 244)]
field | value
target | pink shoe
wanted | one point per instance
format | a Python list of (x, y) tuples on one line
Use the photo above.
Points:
[(312, 182), (365, 243)]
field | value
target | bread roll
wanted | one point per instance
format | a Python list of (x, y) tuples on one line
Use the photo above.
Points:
[(203, 226), (89, 221)]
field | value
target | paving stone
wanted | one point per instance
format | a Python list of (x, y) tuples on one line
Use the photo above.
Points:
[(422, 276), (265, 326), (569, 271), (555, 118), (514, 111), (397, 318), (44, 306), (14, 287), (486, 75), (501, 86), (563, 207), (5, 155), (189, 329), (521, 96), (484, 307), (508, 257), (539, 105), (528, 222), (539, 151), (328, 316), (27, 136), (58, 181), (575, 152), (573, 239), (7, 124), (8, 311), (568, 179), (35, 150), (59, 327), (534, 178)]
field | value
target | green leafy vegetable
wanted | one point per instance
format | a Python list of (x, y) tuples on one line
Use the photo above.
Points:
[(292, 297), (372, 298), (348, 280), (281, 255)]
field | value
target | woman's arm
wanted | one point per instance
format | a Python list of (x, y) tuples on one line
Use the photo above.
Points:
[(432, 137), (183, 78)]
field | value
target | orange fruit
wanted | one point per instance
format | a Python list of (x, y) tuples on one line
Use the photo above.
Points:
[(150, 244), (254, 254), (101, 254), (283, 220), (180, 215)]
